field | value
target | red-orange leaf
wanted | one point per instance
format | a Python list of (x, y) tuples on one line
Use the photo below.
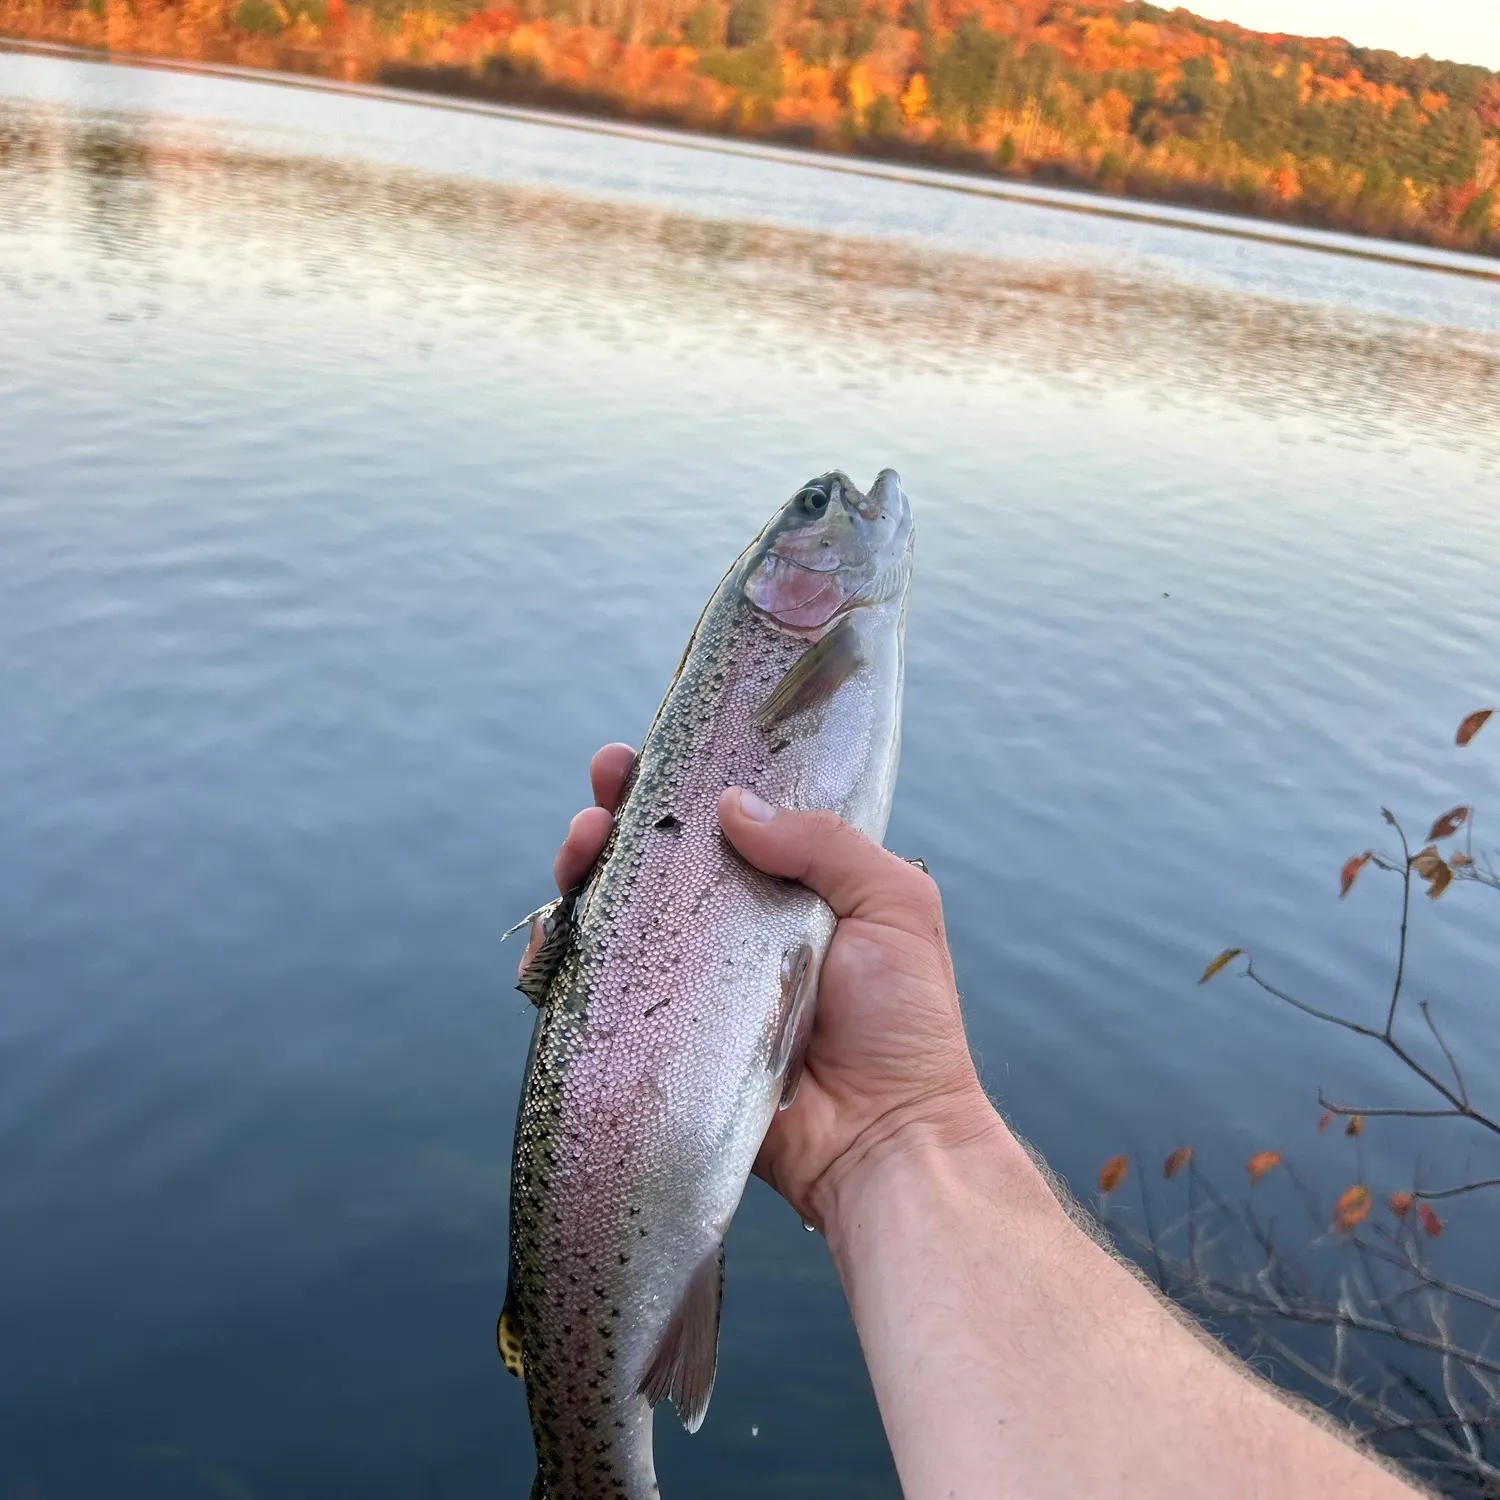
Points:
[(1326, 1121), (1350, 873), (1226, 958), (1432, 1226), (1459, 860), (1356, 1125), (1176, 1162), (1449, 824), (1400, 1204), (1112, 1173), (1352, 1208), (1261, 1163), (1471, 726)]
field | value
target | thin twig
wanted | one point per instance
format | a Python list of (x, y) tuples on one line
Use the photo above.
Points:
[(1390, 1018), (1426, 1008), (1334, 1106), (1456, 1192)]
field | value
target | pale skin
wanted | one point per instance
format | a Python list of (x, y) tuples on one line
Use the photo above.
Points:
[(1011, 1354)]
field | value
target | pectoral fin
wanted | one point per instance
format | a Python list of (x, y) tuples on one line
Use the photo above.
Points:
[(799, 1004), (557, 931), (508, 1336), (817, 674), (685, 1361)]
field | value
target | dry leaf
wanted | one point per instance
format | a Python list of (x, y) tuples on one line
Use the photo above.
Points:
[(1326, 1121), (1356, 1125), (1352, 1208), (1459, 860), (1471, 726), (1400, 1204), (1176, 1162), (1350, 872), (1261, 1163), (1226, 958), (1432, 1226), (1449, 824), (1430, 865), (1112, 1173)]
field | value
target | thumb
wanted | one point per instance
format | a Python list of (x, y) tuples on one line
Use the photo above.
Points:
[(854, 875)]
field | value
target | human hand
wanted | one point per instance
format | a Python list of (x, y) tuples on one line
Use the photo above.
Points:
[(888, 1063)]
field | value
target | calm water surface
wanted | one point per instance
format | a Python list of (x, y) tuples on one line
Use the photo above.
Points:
[(362, 467)]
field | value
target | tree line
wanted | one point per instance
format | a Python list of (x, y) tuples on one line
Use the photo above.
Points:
[(1121, 97)]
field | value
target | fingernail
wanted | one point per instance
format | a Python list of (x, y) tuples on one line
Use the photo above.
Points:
[(755, 807)]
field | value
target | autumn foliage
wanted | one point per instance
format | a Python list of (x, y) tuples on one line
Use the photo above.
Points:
[(1367, 1310), (1125, 97)]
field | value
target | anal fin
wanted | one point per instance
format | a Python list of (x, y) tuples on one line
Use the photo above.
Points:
[(817, 674), (508, 1337), (685, 1361), (799, 1004)]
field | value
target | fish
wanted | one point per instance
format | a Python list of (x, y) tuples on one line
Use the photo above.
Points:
[(676, 988)]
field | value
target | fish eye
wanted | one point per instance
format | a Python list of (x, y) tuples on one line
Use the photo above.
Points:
[(812, 499)]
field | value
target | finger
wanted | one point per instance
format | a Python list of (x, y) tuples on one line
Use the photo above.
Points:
[(856, 877), (607, 772), (587, 834)]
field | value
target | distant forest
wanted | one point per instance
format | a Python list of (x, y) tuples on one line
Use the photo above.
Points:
[(1120, 97)]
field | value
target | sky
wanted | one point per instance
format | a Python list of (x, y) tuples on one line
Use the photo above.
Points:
[(1457, 30)]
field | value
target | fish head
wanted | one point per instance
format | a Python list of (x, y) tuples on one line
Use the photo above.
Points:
[(831, 549)]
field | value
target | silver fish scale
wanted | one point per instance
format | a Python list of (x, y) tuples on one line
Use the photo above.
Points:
[(649, 1087)]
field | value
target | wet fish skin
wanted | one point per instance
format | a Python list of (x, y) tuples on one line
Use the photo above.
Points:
[(683, 991)]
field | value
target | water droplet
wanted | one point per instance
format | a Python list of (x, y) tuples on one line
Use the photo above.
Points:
[(810, 1228), (754, 1431)]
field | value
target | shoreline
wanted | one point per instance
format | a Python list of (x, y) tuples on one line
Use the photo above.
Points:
[(1253, 229)]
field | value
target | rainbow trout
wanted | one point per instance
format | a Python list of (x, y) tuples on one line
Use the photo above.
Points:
[(676, 988)]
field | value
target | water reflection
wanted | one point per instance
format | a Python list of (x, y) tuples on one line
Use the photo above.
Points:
[(487, 255)]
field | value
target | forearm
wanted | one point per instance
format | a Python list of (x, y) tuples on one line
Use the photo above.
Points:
[(1013, 1356)]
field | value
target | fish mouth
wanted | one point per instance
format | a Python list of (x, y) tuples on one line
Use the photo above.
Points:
[(803, 567), (886, 500)]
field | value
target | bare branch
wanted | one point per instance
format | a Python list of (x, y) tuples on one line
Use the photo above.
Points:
[(1311, 1010), (1456, 1192), (1335, 1107), (1458, 1077), (1390, 1017)]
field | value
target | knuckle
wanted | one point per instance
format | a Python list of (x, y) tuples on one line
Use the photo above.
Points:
[(921, 894), (925, 892), (825, 824)]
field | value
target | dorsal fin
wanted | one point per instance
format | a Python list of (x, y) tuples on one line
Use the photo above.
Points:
[(557, 930), (508, 1335), (685, 1361), (818, 673), (799, 1003)]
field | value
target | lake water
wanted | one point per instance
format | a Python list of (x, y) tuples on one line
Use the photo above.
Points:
[(363, 466)]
